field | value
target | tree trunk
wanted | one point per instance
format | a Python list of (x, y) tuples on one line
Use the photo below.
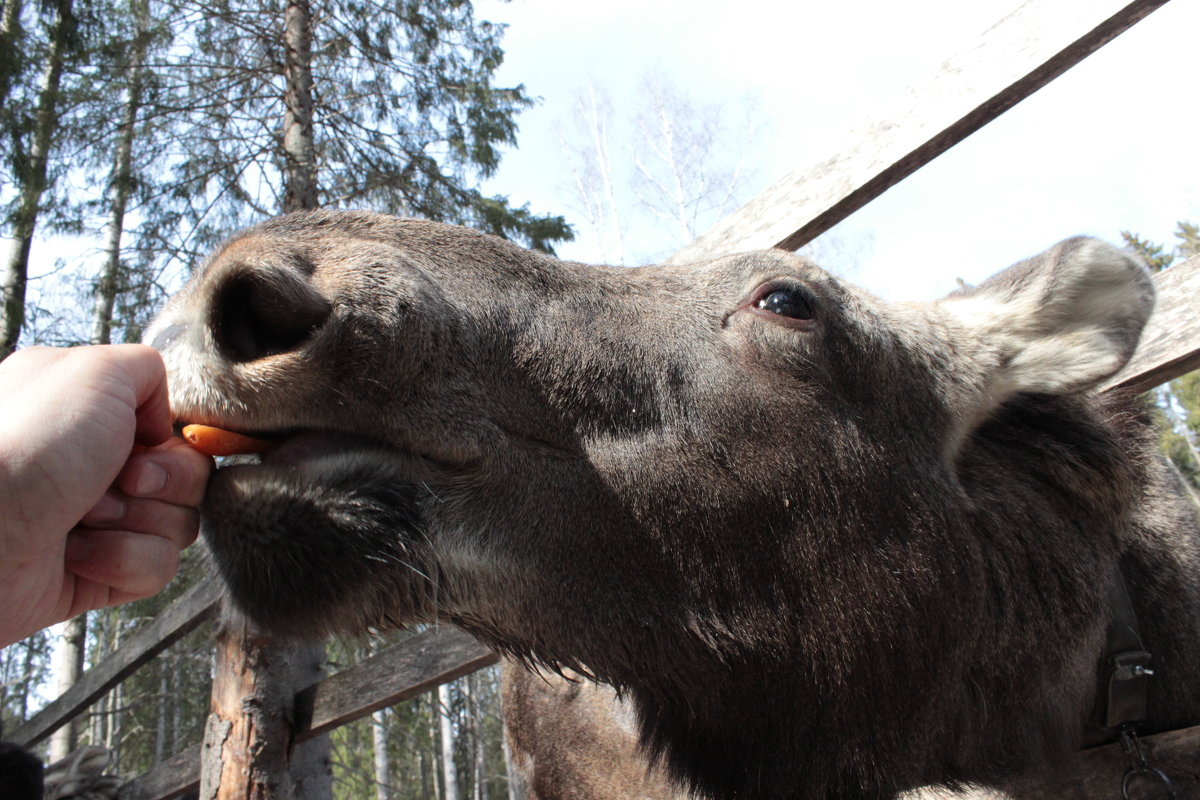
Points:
[(383, 788), (247, 736), (116, 697), (446, 728), (160, 729), (434, 756), (68, 669), (176, 703), (470, 686), (121, 182), (26, 680), (300, 192), (31, 183), (10, 50), (7, 656)]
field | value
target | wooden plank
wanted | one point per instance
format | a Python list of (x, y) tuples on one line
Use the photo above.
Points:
[(1170, 344), (1013, 59), (175, 621), (173, 778), (404, 670)]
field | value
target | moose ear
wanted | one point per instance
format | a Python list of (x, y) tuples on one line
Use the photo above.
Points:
[(1063, 321)]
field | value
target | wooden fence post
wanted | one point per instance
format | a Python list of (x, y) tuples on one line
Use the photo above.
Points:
[(248, 750)]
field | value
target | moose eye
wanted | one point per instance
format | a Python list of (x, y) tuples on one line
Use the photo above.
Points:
[(786, 302)]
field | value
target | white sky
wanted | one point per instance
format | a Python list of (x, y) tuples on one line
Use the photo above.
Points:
[(1111, 145)]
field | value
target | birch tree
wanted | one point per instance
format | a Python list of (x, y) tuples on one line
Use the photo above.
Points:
[(593, 180), (380, 757), (10, 49), (121, 180), (689, 157), (30, 175), (447, 740), (650, 175)]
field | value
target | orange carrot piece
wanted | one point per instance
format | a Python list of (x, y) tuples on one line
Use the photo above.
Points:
[(220, 442)]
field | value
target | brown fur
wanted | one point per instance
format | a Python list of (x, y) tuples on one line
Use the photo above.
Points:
[(573, 739), (842, 556)]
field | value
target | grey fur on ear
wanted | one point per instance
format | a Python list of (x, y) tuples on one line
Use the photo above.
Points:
[(1063, 321)]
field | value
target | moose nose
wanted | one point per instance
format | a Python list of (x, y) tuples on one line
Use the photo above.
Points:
[(264, 312)]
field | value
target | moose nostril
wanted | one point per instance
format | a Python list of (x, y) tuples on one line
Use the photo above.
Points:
[(264, 313)]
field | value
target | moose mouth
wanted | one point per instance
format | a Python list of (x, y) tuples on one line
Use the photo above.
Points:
[(296, 445), (295, 530)]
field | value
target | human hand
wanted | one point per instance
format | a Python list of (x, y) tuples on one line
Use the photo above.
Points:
[(97, 498)]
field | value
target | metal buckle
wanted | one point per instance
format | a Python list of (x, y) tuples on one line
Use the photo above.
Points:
[(1139, 767), (1125, 700), (1131, 664)]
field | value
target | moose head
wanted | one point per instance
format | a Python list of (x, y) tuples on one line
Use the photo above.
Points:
[(827, 545)]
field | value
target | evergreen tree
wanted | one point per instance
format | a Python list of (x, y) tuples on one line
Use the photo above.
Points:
[(189, 120), (1179, 400), (382, 105), (24, 666), (11, 47), (1188, 236), (32, 140)]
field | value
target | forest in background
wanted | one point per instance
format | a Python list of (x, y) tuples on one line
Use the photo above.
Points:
[(160, 127)]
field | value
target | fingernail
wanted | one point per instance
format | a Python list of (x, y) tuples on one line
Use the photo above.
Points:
[(109, 508), (150, 480), (78, 548)]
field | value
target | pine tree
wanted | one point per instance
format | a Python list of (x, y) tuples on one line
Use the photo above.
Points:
[(1179, 400), (396, 101), (1156, 256), (1188, 234)]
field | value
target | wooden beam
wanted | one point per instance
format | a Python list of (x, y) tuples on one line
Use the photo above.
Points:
[(1170, 344), (1013, 59), (174, 622), (404, 670)]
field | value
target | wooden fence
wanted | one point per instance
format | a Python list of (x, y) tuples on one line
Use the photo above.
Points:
[(1037, 42)]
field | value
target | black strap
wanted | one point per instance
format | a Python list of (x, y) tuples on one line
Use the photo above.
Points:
[(1124, 672), (1127, 667)]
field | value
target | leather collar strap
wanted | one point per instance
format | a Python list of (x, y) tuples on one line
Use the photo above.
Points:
[(1125, 675)]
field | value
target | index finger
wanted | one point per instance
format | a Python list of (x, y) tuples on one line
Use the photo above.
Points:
[(148, 377)]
